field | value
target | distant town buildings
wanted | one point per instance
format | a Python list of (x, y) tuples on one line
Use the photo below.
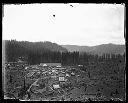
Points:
[(51, 64)]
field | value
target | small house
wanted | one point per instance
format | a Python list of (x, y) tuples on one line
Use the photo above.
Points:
[(26, 67), (56, 86), (53, 76), (61, 79), (51, 64), (53, 70), (44, 65), (58, 66), (67, 75), (73, 73)]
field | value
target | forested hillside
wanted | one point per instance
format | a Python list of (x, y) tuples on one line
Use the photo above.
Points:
[(37, 52), (32, 51)]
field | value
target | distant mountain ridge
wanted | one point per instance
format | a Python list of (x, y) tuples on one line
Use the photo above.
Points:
[(99, 49)]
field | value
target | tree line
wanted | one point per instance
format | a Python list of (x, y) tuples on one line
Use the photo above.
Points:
[(36, 53)]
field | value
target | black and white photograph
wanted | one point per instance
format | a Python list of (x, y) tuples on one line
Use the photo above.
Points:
[(64, 52)]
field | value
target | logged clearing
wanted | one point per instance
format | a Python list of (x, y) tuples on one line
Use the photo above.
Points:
[(97, 81)]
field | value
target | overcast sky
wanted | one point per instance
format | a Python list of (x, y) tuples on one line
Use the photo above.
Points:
[(79, 24)]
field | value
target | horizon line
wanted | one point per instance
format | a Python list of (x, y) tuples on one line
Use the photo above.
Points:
[(66, 44)]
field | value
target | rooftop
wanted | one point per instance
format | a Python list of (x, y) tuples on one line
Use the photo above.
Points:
[(51, 64)]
